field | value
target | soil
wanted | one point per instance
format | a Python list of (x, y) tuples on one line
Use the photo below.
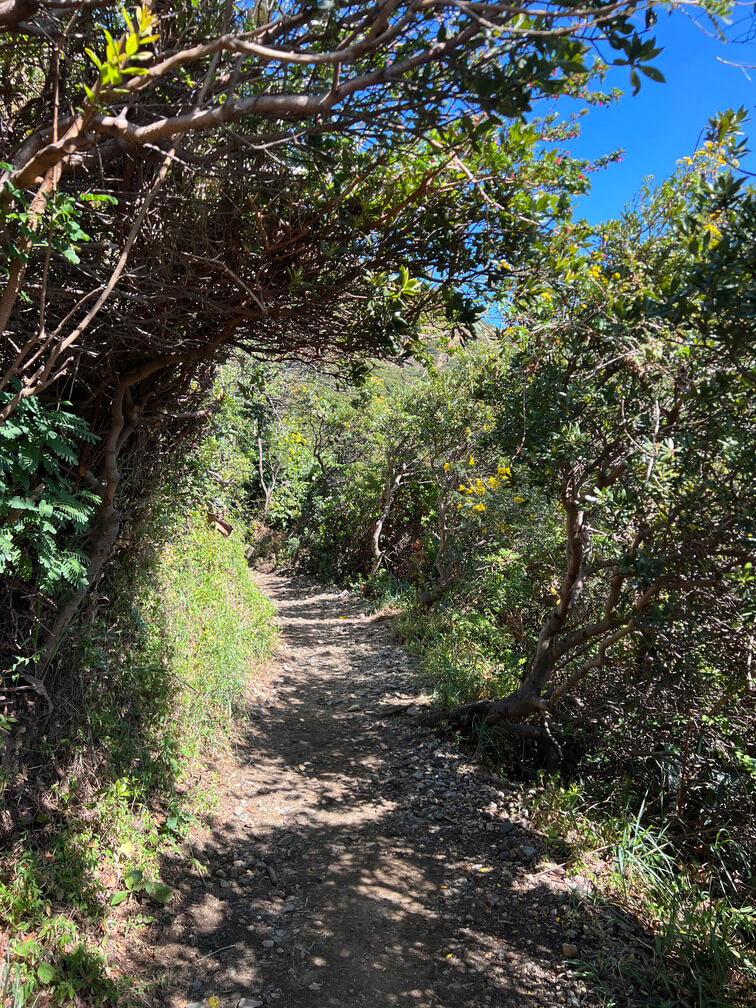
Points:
[(358, 860)]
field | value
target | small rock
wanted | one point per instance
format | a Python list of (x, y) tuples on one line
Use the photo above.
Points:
[(268, 943), (569, 951), (528, 852), (249, 1003), (506, 826)]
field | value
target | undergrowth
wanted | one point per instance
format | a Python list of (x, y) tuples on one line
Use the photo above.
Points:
[(461, 655), (159, 672), (701, 924), (697, 912)]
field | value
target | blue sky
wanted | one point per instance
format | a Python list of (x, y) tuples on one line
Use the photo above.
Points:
[(664, 122)]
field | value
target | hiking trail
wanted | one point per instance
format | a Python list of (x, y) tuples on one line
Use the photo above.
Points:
[(357, 860)]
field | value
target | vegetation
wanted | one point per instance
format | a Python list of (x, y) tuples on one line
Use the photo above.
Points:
[(156, 681), (248, 255), (182, 183), (564, 510)]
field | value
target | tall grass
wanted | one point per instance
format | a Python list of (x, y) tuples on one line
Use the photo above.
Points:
[(210, 627), (161, 673), (704, 931)]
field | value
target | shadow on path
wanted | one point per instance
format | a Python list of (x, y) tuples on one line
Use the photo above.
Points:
[(356, 859)]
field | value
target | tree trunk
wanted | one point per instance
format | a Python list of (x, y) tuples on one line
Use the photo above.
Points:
[(389, 491), (527, 698)]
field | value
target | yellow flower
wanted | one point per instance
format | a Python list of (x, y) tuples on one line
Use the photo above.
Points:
[(712, 230), (471, 461), (519, 500), (479, 507), (447, 467), (213, 1001)]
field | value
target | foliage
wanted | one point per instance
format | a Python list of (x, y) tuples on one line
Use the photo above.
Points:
[(568, 507), (215, 627), (344, 174), (41, 507), (704, 923), (158, 678)]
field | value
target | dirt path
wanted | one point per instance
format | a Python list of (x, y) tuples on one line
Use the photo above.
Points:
[(358, 860)]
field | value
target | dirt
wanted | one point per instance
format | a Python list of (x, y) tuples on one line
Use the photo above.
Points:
[(357, 859)]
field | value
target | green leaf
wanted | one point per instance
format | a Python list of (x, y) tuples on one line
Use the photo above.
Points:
[(119, 897), (134, 879), (159, 891), (29, 947), (46, 973), (654, 74), (95, 59), (111, 49)]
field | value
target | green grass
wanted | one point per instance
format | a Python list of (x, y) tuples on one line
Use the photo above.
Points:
[(704, 931), (461, 655), (158, 679), (213, 627)]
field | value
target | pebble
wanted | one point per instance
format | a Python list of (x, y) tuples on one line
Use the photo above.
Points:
[(430, 783)]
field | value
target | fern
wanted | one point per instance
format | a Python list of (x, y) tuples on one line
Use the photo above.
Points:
[(41, 510)]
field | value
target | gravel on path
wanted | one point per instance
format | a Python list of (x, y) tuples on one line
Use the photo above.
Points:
[(357, 860)]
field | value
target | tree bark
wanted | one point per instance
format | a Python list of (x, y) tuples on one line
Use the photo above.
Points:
[(527, 698), (392, 484)]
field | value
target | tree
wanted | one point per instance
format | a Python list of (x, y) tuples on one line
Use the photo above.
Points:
[(254, 177), (630, 402)]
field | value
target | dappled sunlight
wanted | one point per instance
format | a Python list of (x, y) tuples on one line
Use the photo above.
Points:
[(352, 861)]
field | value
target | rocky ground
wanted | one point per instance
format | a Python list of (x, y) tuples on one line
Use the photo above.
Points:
[(358, 859)]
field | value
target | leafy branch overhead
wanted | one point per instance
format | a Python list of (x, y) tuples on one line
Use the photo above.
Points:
[(294, 180)]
